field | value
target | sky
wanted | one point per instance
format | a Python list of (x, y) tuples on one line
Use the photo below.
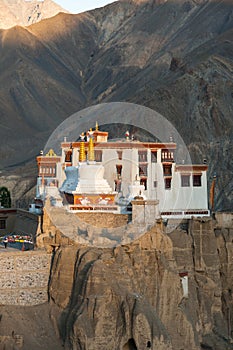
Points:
[(76, 6)]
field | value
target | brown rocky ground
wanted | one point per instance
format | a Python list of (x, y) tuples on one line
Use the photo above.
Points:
[(27, 328)]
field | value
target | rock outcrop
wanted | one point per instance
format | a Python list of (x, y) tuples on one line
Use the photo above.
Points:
[(131, 296), (26, 12)]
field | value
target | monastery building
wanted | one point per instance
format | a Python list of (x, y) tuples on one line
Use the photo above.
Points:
[(97, 174)]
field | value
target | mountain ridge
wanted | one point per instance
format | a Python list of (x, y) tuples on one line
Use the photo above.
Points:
[(175, 58), (26, 12)]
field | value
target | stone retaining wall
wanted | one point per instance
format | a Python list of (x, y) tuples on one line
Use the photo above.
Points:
[(108, 220), (24, 277)]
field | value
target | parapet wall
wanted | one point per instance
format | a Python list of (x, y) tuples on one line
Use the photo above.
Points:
[(24, 277)]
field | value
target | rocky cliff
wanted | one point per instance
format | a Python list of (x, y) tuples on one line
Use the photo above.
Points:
[(131, 296), (174, 57), (26, 12)]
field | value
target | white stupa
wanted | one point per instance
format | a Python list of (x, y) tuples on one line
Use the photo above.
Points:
[(85, 185)]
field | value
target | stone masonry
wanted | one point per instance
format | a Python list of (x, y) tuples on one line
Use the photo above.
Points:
[(24, 277)]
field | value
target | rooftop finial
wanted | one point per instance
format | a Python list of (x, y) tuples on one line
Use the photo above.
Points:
[(96, 126), (82, 156), (51, 153), (91, 151)]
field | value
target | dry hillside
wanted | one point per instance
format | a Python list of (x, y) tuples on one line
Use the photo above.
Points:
[(172, 56), (26, 12)]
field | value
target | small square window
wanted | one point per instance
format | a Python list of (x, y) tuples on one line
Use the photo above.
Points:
[(68, 156), (143, 170), (153, 156), (196, 180), (142, 156), (98, 155), (185, 180), (167, 183), (167, 170)]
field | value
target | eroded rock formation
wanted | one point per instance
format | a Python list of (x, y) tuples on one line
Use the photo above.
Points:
[(131, 296)]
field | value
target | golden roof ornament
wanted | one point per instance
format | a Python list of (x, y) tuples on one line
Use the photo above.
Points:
[(91, 151), (82, 155), (96, 126), (51, 153)]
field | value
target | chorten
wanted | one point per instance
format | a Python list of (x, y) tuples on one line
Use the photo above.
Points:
[(85, 186)]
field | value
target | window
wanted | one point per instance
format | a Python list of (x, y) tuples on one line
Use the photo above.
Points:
[(167, 156), (98, 155), (2, 224), (153, 156), (119, 154), (68, 156), (196, 180), (119, 169), (143, 181), (167, 170), (142, 156), (143, 170), (185, 180), (155, 184), (167, 183)]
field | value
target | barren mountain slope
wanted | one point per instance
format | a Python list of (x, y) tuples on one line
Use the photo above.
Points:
[(37, 89), (174, 57), (26, 12)]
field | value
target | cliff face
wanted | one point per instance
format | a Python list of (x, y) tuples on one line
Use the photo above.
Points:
[(131, 296)]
